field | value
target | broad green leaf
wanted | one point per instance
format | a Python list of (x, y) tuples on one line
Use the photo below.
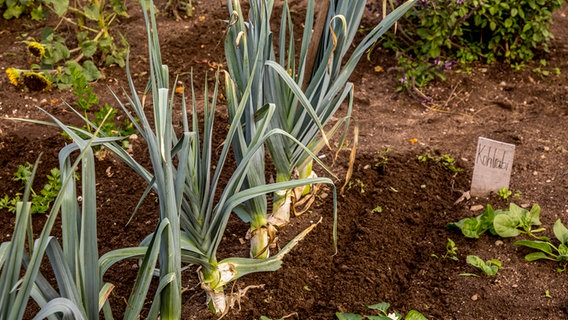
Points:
[(475, 261), (383, 306), (506, 225), (37, 13), (472, 228), (414, 315), (89, 48), (59, 6), (538, 256), (562, 252), (90, 71), (13, 12), (535, 244), (534, 215), (489, 268), (92, 11), (55, 52), (348, 316), (560, 232)]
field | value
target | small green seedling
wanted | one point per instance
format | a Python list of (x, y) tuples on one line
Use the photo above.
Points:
[(40, 200), (356, 184), (377, 209), (505, 193), (504, 223), (451, 250), (546, 249), (380, 162), (489, 267), (383, 314), (445, 161)]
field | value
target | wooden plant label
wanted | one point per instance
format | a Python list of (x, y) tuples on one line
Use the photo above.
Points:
[(492, 167)]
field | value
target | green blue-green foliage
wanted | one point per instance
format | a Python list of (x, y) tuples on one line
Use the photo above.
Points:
[(436, 35), (445, 161), (488, 268), (381, 310), (546, 249), (503, 223), (40, 201)]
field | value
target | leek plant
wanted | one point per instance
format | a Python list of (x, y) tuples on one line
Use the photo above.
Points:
[(253, 123), (81, 292), (307, 91), (187, 182)]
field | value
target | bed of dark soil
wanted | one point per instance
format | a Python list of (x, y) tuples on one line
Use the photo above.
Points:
[(393, 255)]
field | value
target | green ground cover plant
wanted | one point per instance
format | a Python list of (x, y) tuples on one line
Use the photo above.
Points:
[(439, 35), (546, 250), (40, 200), (489, 267), (503, 223), (445, 161)]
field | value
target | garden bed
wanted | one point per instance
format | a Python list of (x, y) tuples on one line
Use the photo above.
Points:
[(393, 254)]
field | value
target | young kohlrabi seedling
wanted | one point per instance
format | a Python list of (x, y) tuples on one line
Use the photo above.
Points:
[(451, 250), (547, 250), (445, 161), (504, 223), (489, 267), (505, 193), (383, 314)]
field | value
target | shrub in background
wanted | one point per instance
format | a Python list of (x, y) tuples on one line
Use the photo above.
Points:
[(436, 34)]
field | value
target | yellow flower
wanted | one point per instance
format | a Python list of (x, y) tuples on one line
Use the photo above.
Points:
[(13, 76), (36, 81), (36, 49)]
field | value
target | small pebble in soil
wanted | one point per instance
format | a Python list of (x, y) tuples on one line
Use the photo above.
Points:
[(475, 297), (498, 243), (476, 207)]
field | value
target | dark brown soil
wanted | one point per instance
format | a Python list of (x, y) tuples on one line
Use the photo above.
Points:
[(393, 255)]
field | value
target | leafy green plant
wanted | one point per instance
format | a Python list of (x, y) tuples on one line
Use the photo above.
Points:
[(445, 161), (383, 314), (451, 250), (381, 160), (504, 223), (547, 250), (504, 193), (377, 209), (357, 185), (40, 201), (438, 34), (489, 267), (87, 100)]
